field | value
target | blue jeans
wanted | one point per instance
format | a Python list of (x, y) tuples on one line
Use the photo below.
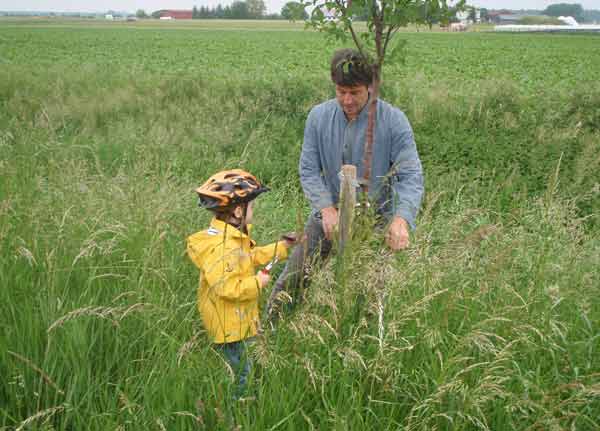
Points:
[(236, 355)]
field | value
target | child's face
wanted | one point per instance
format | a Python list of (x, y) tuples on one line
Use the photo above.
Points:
[(239, 212)]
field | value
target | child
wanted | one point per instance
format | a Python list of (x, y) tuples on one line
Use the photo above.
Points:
[(229, 282)]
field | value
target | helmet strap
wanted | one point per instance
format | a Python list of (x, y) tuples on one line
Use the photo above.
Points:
[(243, 227), (237, 222)]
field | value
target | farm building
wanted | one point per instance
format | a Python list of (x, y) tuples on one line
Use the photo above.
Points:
[(174, 14), (504, 16), (508, 19)]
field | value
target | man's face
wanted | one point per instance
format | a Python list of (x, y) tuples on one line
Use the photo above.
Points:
[(352, 99)]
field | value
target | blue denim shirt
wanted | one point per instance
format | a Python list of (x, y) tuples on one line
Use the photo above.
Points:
[(396, 182)]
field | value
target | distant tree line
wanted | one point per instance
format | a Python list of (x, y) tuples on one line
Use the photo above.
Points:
[(565, 9), (295, 10), (249, 9), (573, 9), (591, 15)]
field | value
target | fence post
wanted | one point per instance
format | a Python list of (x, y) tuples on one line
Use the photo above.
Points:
[(347, 204)]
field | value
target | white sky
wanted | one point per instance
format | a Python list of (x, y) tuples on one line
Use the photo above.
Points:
[(272, 5)]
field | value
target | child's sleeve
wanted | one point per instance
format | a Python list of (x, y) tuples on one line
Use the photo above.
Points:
[(265, 254), (227, 279), (194, 254)]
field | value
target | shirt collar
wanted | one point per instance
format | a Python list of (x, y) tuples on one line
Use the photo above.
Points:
[(231, 230)]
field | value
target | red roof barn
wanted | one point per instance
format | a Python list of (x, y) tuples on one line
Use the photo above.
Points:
[(175, 14)]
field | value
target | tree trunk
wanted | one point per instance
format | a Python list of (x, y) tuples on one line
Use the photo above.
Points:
[(368, 155)]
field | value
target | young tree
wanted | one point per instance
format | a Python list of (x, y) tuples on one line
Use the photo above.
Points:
[(141, 13), (383, 19)]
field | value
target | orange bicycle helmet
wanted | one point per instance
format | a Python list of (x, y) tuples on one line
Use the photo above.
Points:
[(229, 188)]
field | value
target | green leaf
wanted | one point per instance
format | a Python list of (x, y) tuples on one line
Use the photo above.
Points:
[(317, 15), (396, 51)]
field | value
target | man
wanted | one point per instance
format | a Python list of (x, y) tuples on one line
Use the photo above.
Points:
[(335, 135)]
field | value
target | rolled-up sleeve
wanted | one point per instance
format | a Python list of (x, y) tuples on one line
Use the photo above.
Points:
[(407, 172), (310, 167)]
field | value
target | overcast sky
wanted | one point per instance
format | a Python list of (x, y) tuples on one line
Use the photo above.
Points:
[(272, 5)]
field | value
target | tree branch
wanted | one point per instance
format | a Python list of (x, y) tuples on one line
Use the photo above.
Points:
[(388, 36), (378, 36), (357, 41), (375, 13), (355, 38), (342, 7)]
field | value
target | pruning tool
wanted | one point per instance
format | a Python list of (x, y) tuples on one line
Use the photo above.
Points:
[(269, 266), (291, 237)]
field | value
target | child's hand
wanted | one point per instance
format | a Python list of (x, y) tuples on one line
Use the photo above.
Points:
[(263, 278)]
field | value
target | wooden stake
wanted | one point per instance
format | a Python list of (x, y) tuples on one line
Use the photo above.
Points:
[(347, 203)]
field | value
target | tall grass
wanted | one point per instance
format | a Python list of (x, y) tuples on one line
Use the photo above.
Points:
[(489, 321)]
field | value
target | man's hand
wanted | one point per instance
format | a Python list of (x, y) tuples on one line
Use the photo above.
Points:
[(330, 221), (396, 236)]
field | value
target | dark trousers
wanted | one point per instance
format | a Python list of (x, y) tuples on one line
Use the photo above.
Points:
[(287, 290)]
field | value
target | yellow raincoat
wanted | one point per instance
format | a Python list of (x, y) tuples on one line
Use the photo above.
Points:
[(228, 292)]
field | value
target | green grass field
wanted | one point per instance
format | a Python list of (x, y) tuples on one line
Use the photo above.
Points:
[(490, 321)]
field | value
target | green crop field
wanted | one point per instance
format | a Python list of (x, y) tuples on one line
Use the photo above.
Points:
[(490, 321)]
